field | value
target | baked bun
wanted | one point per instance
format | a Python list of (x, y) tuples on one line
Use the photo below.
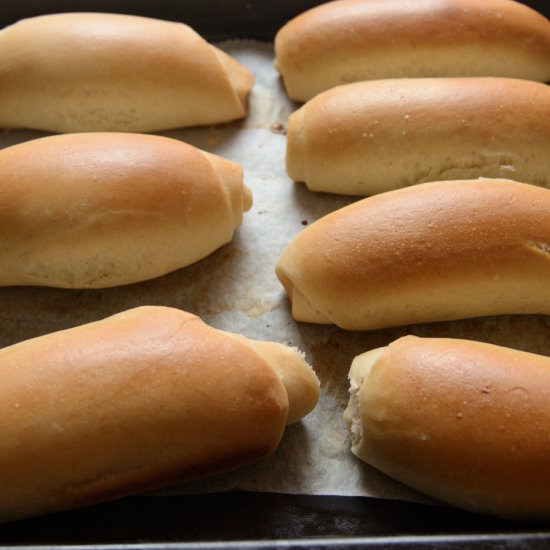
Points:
[(96, 210), (370, 137), (352, 40), (139, 400), (433, 252), (81, 72), (465, 422)]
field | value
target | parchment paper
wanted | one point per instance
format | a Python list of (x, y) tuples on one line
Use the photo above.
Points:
[(235, 288)]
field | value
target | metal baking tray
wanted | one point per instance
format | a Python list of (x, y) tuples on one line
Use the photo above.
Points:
[(246, 519)]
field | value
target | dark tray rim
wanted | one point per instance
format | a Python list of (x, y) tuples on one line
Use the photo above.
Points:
[(350, 522)]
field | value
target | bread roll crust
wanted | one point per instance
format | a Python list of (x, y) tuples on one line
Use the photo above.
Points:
[(147, 397), (80, 72), (433, 252), (353, 40), (371, 137), (103, 209), (465, 422)]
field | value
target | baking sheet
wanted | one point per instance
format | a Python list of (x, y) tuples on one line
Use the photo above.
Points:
[(236, 289)]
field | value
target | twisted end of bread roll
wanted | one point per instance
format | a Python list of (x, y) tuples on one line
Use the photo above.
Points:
[(301, 383), (231, 177), (359, 372), (296, 157), (240, 77)]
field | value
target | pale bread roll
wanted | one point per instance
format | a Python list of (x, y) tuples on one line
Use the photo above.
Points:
[(142, 399), (371, 137), (353, 40), (96, 210), (81, 72), (433, 252), (465, 422)]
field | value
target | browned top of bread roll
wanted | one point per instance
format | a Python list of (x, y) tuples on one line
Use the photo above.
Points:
[(432, 252), (465, 422), (76, 72), (351, 40), (145, 398), (104, 209)]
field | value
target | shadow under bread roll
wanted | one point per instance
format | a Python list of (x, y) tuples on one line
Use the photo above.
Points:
[(81, 72), (145, 398), (353, 40), (370, 137), (97, 210), (465, 422), (432, 252)]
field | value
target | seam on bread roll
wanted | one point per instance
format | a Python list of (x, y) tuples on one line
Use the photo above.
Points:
[(354, 40), (298, 377), (79, 72), (239, 196), (433, 252), (370, 137), (240, 78), (148, 397), (464, 422), (95, 210)]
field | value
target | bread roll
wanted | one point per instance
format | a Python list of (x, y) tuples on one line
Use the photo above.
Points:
[(433, 252), (142, 399), (96, 210), (370, 137), (80, 72), (465, 422), (352, 40)]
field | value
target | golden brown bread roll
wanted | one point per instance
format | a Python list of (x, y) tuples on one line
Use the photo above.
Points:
[(432, 252), (145, 398), (352, 40), (370, 137), (96, 210), (80, 72), (465, 422)]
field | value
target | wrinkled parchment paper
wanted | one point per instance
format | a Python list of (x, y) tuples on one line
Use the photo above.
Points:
[(235, 289)]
